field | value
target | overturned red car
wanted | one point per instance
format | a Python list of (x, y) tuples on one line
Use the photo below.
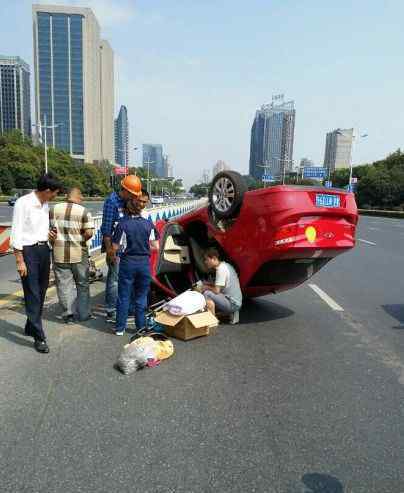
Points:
[(276, 237)]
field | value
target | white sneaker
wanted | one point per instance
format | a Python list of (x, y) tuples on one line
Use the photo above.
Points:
[(235, 318), (119, 332)]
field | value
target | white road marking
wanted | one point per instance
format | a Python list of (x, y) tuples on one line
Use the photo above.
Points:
[(324, 296), (366, 241), (374, 229)]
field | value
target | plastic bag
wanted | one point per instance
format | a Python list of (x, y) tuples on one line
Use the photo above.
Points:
[(135, 355), (186, 303)]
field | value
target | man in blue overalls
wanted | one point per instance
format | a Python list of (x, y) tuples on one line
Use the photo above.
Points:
[(114, 207), (134, 236)]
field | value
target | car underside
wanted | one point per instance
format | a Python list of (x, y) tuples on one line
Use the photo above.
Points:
[(276, 238)]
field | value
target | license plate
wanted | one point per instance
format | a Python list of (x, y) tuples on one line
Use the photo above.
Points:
[(327, 200)]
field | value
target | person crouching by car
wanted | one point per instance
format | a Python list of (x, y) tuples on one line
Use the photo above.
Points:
[(133, 237), (224, 295)]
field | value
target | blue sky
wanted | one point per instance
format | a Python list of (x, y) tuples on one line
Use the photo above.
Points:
[(192, 73)]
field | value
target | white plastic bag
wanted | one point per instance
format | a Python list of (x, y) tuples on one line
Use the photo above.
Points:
[(135, 355), (186, 303)]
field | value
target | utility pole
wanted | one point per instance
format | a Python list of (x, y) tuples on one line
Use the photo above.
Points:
[(148, 163), (46, 127)]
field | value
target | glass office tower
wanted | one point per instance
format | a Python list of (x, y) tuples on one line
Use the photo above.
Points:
[(153, 157), (15, 100), (122, 137), (74, 81), (60, 77), (272, 137)]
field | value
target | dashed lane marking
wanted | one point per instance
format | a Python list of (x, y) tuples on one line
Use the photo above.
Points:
[(324, 296), (366, 241)]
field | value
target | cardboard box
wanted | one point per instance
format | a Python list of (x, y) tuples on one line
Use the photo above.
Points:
[(187, 327)]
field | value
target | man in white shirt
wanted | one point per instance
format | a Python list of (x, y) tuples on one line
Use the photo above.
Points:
[(29, 238), (225, 294)]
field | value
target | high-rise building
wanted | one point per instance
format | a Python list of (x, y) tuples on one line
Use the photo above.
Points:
[(168, 167), (338, 148), (107, 101), (218, 167), (153, 157), (73, 81), (122, 137), (272, 136), (15, 101), (305, 162)]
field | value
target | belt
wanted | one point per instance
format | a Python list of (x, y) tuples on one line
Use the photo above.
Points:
[(39, 243)]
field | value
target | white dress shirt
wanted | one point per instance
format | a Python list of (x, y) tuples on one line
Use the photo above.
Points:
[(30, 221)]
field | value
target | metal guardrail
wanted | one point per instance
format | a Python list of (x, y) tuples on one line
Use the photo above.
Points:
[(154, 214), (166, 212)]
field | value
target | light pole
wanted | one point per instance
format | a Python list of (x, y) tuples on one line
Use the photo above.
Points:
[(148, 163), (357, 136), (284, 161), (46, 127)]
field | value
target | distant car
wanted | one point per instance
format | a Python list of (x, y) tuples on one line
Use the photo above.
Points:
[(157, 200), (276, 237), (20, 192), (12, 200)]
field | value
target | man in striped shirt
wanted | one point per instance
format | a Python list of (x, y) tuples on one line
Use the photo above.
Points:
[(72, 226)]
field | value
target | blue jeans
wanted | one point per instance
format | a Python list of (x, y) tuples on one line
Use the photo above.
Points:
[(134, 277), (111, 288)]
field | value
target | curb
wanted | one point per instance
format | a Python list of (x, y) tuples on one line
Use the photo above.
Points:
[(381, 213)]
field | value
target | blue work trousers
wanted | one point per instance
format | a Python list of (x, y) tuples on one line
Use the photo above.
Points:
[(134, 279), (111, 288)]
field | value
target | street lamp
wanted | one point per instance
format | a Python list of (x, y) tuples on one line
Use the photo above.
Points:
[(46, 127), (357, 136)]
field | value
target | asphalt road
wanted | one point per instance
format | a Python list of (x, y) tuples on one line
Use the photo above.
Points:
[(6, 211), (305, 395)]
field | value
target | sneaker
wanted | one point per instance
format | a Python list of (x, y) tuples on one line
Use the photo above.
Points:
[(68, 319), (119, 332), (235, 318), (110, 317)]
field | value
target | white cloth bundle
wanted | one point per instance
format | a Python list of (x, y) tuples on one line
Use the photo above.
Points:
[(186, 303)]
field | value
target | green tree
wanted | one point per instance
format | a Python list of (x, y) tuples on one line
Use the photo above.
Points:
[(200, 189)]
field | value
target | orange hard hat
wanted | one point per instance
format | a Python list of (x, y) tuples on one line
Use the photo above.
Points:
[(132, 184)]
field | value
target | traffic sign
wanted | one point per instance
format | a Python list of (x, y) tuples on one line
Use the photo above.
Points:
[(267, 178), (314, 172), (120, 170), (328, 184), (354, 179)]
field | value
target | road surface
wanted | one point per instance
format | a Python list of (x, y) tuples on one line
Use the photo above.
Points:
[(305, 395)]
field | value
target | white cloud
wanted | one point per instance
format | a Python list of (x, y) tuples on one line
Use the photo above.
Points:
[(108, 12)]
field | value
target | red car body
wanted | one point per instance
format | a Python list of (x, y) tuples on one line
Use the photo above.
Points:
[(279, 239)]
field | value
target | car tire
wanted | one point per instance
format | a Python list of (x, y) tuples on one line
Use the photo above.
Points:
[(226, 194)]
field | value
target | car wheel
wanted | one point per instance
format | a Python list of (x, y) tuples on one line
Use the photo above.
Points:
[(226, 194)]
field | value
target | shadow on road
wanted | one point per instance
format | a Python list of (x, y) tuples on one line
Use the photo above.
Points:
[(15, 334), (255, 311), (322, 483), (397, 312)]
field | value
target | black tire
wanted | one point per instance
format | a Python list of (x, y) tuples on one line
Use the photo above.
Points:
[(226, 194)]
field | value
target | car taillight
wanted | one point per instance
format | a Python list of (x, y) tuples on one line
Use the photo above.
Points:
[(285, 236)]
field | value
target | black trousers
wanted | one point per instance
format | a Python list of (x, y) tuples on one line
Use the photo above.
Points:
[(35, 284)]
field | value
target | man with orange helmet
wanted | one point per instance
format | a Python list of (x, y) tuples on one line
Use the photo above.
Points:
[(113, 211)]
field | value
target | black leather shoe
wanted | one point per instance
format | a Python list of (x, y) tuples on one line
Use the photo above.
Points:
[(41, 346)]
